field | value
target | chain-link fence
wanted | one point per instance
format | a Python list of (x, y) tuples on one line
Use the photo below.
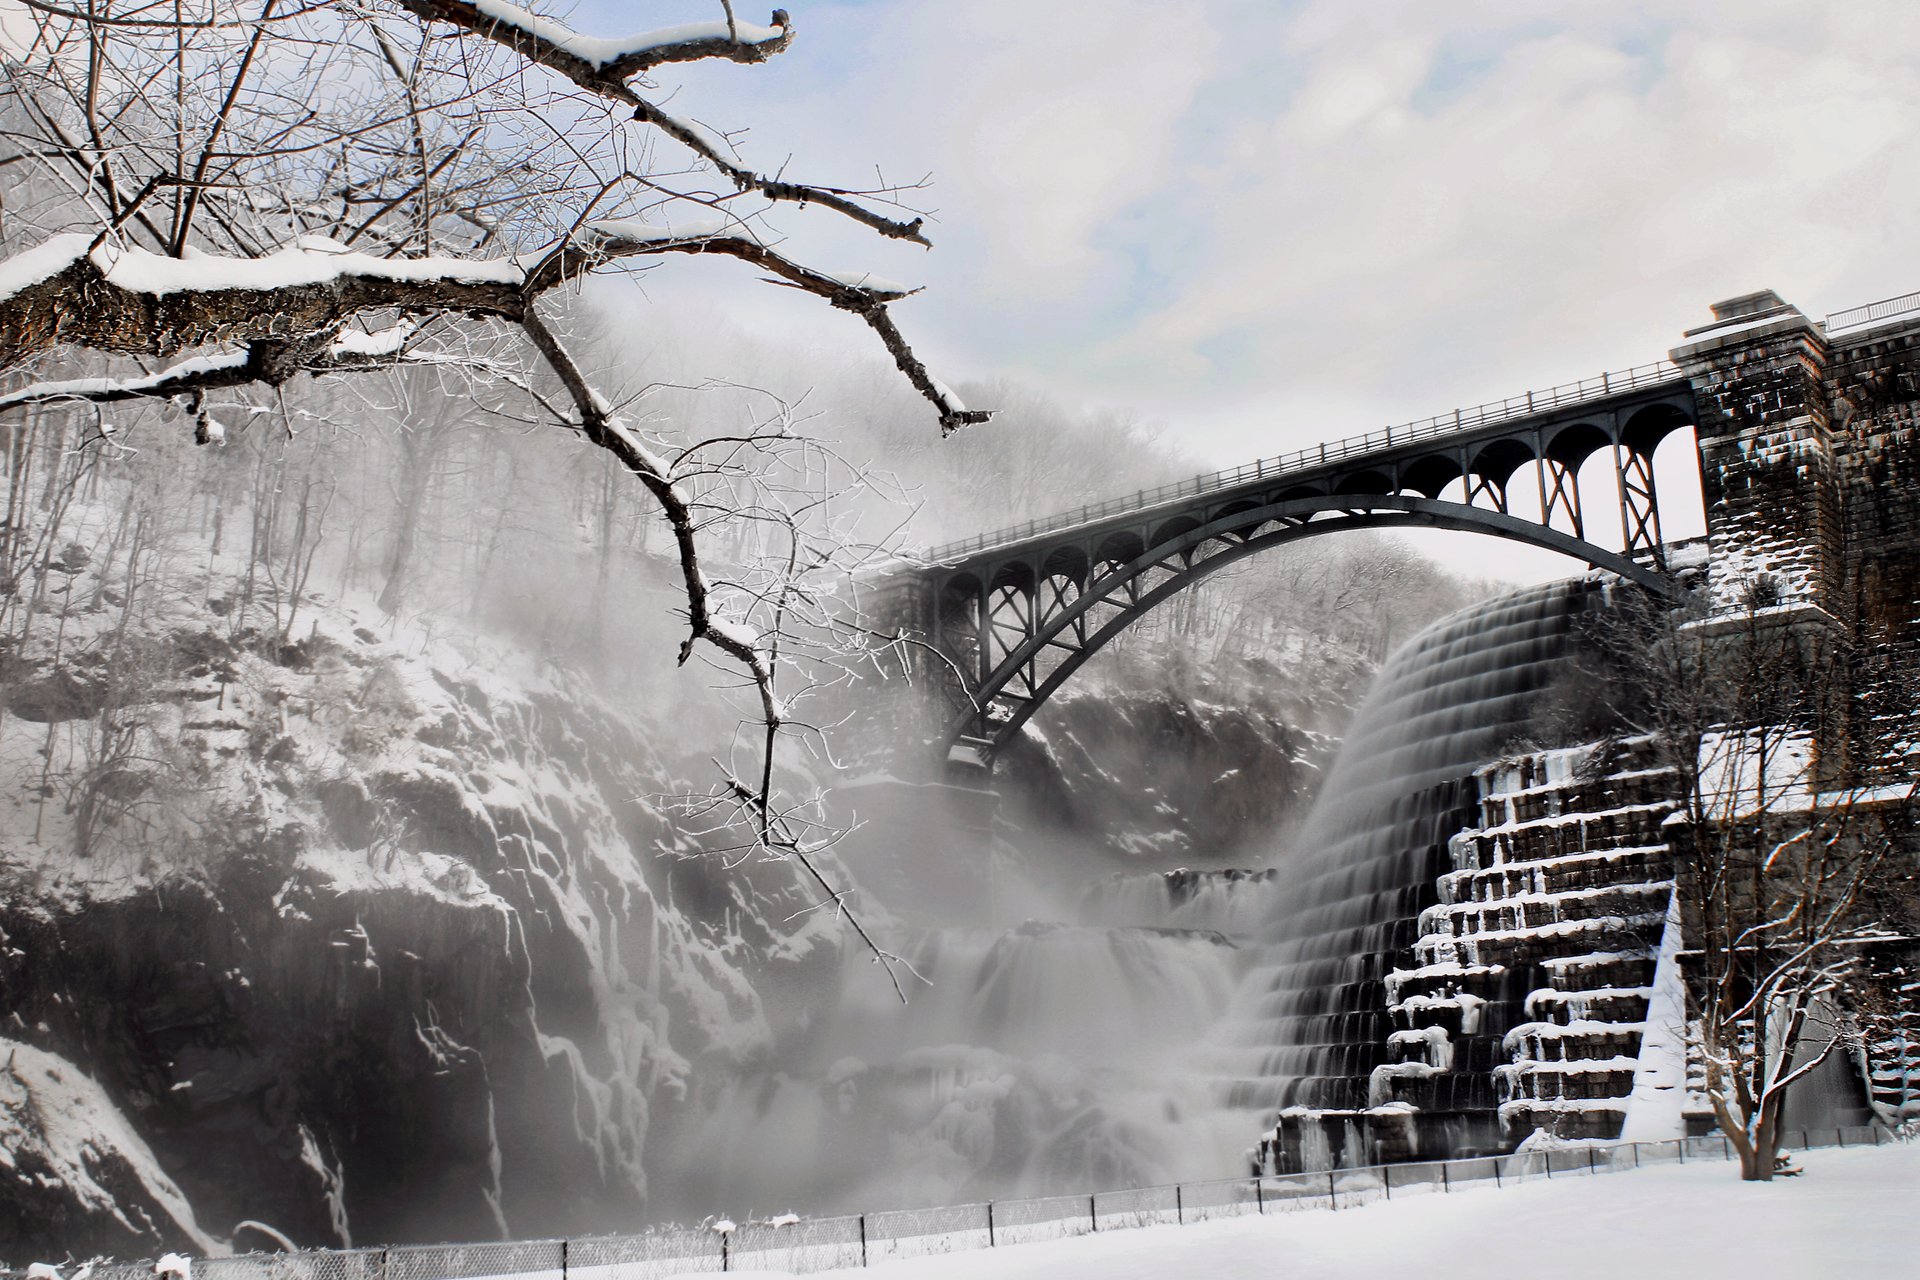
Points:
[(802, 1245)]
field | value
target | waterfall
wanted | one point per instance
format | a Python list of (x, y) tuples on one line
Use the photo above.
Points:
[(1310, 1021), (1148, 1032)]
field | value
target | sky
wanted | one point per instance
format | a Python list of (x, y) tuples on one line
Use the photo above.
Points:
[(1260, 225)]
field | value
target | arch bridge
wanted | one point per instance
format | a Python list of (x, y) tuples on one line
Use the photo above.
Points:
[(1017, 611)]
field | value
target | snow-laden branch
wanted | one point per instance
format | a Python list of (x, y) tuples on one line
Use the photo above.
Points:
[(291, 308), (606, 69), (201, 373), (585, 59)]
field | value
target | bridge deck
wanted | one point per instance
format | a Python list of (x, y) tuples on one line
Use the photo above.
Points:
[(1461, 426)]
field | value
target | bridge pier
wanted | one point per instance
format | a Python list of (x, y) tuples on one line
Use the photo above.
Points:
[(1767, 462)]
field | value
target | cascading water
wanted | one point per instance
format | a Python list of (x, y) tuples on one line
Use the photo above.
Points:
[(1310, 1022), (1151, 1033), (1048, 1057)]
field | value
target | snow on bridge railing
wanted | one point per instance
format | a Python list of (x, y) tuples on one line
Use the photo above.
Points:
[(1873, 312), (800, 1245), (1441, 425)]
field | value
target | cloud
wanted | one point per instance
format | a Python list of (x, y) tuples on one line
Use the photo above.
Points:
[(1264, 224), (1589, 182)]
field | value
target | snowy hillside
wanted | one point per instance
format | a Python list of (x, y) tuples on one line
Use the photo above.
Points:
[(366, 936)]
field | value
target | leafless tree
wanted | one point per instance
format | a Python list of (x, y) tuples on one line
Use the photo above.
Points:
[(208, 196), (1789, 841)]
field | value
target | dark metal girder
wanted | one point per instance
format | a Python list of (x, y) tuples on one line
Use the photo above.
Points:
[(1532, 430), (1384, 510)]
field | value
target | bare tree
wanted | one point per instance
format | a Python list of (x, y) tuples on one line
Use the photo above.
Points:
[(231, 194), (1788, 844)]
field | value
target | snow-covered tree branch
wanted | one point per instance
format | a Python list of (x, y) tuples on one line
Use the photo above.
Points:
[(1784, 847), (213, 195)]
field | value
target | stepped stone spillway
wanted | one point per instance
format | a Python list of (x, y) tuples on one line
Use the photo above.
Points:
[(1560, 891), (1315, 1016), (1521, 1003)]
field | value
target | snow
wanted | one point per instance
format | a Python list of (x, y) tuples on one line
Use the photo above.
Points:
[(634, 231), (1850, 1215), (948, 401), (1432, 1041), (1655, 1107), (868, 282), (601, 52), (734, 631), (30, 266), (194, 367), (301, 263), (307, 261), (383, 342), (59, 1124)]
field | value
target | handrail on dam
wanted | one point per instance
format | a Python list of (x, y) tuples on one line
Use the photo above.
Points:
[(794, 1244), (1440, 425)]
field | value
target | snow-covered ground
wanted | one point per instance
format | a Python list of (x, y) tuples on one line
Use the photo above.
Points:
[(1852, 1214)]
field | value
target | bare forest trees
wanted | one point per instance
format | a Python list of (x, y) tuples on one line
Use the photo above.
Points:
[(1796, 851), (227, 209)]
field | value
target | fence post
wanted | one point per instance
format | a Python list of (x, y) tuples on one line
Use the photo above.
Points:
[(1592, 1168), (1681, 1143), (990, 1240), (726, 1263), (383, 1264), (563, 1260), (1260, 1194), (1333, 1192), (1496, 1173), (1635, 1147), (1093, 1211), (1179, 1206), (863, 1239), (1446, 1180), (1386, 1179), (1840, 1136)]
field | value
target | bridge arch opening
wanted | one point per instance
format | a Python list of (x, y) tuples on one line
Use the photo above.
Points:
[(1676, 469), (1367, 482), (1032, 651), (1432, 475)]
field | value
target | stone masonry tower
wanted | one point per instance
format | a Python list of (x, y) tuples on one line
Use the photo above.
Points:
[(1767, 457)]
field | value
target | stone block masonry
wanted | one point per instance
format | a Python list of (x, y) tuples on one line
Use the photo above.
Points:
[(1767, 465), (1547, 927)]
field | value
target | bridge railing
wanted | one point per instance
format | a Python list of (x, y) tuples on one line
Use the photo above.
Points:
[(1444, 424), (800, 1245), (1873, 312)]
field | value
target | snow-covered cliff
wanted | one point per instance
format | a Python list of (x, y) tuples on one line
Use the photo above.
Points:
[(363, 937)]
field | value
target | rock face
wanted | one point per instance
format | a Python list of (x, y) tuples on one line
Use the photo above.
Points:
[(364, 940), (76, 1169), (1152, 778)]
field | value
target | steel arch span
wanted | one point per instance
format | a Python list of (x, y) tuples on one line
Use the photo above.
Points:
[(1026, 632), (1016, 612)]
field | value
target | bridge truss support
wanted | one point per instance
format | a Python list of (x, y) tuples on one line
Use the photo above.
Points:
[(1040, 621), (1016, 614)]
